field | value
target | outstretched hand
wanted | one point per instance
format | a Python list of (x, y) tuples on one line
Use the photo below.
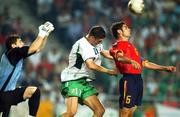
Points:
[(171, 69), (49, 26), (45, 29), (135, 65), (112, 72)]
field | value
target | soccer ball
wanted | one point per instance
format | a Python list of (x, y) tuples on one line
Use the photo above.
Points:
[(136, 6)]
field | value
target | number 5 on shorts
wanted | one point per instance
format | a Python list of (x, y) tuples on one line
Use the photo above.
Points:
[(128, 99)]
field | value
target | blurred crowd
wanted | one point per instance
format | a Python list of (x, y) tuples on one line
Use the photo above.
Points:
[(156, 34)]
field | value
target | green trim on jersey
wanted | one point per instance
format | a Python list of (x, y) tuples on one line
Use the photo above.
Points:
[(78, 88), (79, 59)]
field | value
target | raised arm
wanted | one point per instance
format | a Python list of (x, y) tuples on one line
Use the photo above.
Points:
[(106, 54), (93, 66), (154, 66), (118, 55), (43, 43), (41, 39)]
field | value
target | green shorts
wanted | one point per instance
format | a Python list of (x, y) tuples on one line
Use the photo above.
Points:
[(78, 88)]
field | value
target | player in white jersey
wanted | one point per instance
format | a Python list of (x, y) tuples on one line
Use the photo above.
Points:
[(84, 58)]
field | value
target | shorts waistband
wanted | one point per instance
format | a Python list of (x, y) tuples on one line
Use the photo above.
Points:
[(131, 75), (77, 80)]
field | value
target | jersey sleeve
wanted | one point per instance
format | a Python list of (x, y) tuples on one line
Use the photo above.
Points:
[(23, 52), (115, 50), (17, 54)]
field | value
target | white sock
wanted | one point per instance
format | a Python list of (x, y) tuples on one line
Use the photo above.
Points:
[(31, 116)]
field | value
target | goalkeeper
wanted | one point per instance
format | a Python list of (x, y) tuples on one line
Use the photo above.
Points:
[(11, 65)]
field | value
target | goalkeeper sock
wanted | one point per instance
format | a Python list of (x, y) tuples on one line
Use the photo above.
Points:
[(34, 103)]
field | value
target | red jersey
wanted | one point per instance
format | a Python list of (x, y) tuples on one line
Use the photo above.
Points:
[(129, 51)]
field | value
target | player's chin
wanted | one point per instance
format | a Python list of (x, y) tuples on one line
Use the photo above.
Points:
[(129, 34), (21, 46)]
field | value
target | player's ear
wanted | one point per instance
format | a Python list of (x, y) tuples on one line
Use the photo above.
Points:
[(92, 37), (13, 45), (119, 31)]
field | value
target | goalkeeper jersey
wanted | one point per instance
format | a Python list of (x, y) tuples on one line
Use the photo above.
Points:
[(11, 65)]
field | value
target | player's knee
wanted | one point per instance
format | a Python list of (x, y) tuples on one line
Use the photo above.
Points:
[(31, 91), (68, 114), (133, 109), (126, 111), (37, 92), (100, 111), (71, 113)]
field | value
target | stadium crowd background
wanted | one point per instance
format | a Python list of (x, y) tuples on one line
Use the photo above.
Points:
[(156, 33)]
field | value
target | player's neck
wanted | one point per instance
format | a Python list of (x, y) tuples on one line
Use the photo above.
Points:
[(123, 38)]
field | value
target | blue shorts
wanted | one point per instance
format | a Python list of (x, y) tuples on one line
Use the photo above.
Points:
[(131, 90)]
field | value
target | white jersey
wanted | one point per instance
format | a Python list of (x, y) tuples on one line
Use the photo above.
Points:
[(81, 51)]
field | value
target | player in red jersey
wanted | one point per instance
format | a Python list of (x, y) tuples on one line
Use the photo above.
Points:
[(130, 63)]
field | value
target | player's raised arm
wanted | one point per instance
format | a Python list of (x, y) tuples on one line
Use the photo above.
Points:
[(106, 54), (118, 55), (154, 66), (91, 65), (41, 39)]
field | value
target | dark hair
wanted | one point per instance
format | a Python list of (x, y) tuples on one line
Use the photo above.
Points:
[(116, 26), (11, 40), (97, 32)]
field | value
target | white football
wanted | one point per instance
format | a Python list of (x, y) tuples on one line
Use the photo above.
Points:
[(136, 6)]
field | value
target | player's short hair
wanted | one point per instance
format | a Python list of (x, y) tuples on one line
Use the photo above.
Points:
[(11, 39), (116, 26), (97, 32)]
